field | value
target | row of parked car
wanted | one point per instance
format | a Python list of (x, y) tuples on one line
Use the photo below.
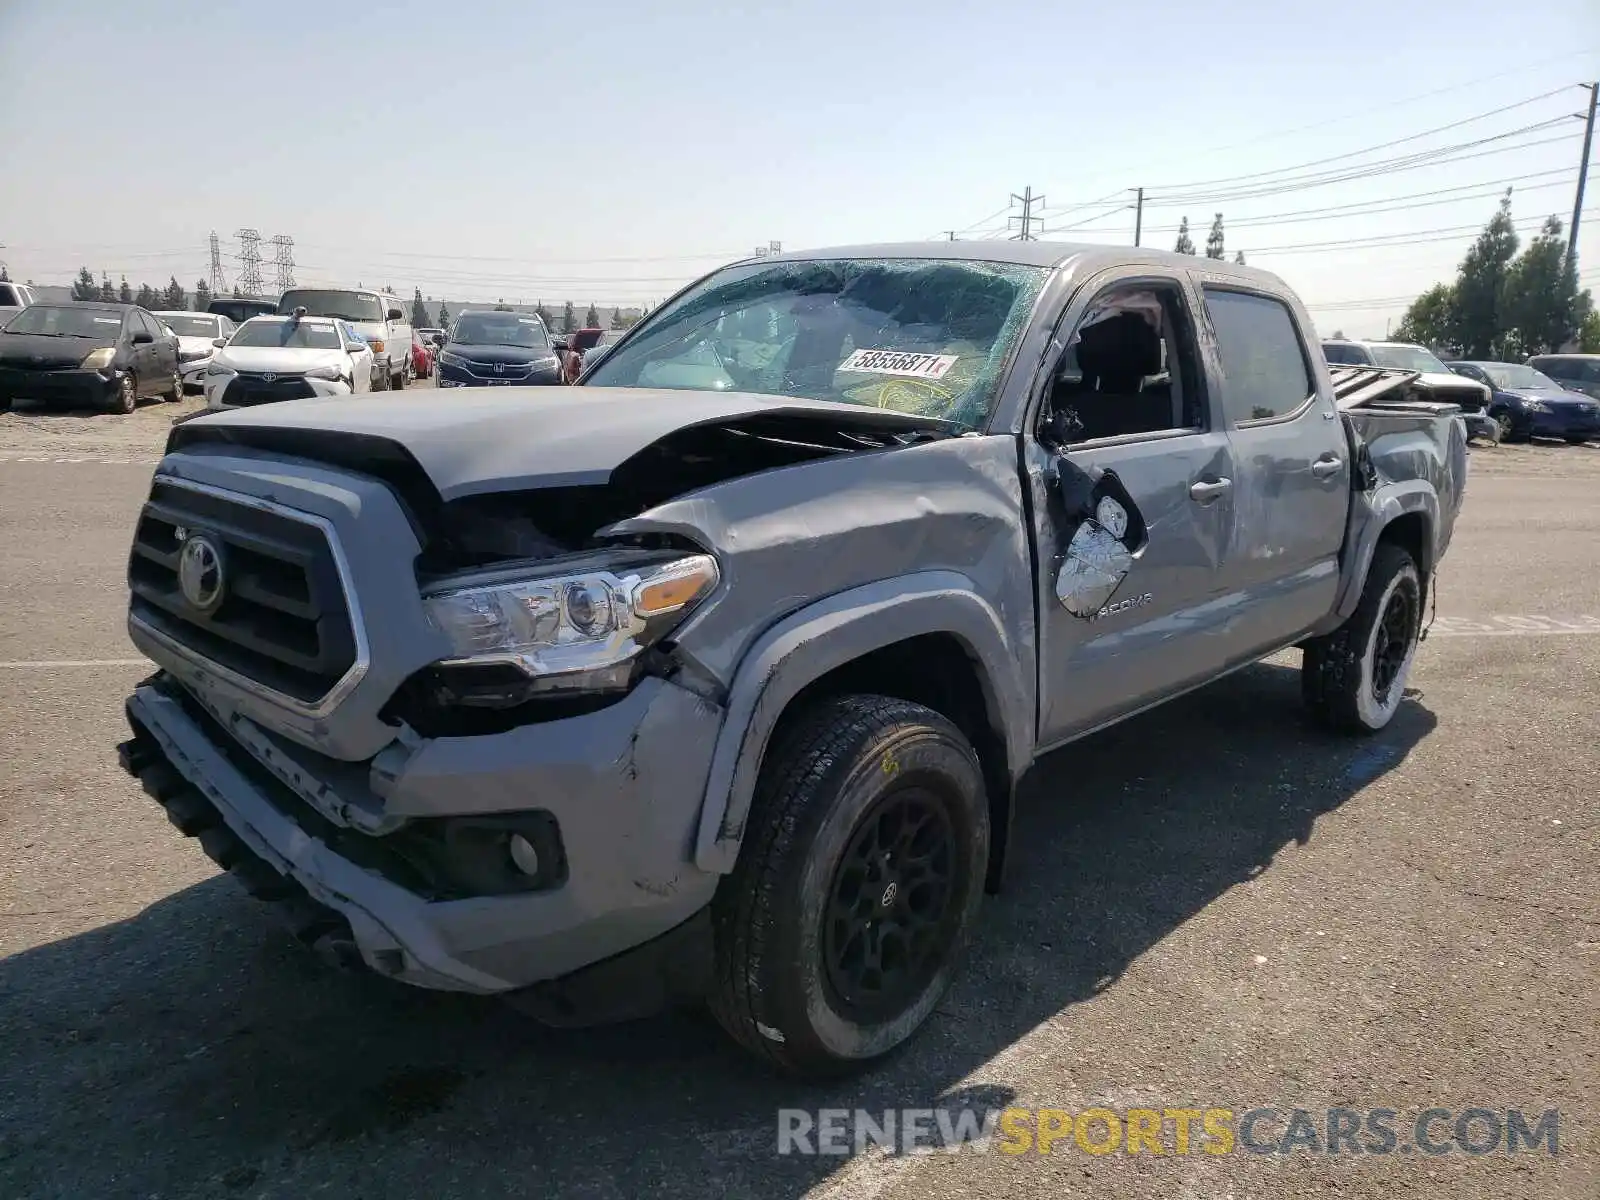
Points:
[(241, 351), (1550, 395)]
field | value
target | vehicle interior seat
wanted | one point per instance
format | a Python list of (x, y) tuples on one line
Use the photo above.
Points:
[(1116, 357)]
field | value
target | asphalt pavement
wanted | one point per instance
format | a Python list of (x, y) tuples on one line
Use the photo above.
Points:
[(1213, 906)]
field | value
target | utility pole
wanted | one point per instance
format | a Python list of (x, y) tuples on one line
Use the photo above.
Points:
[(1027, 200), (1138, 216), (949, 235), (1583, 177)]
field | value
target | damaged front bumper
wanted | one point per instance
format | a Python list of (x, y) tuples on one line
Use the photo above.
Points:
[(621, 788)]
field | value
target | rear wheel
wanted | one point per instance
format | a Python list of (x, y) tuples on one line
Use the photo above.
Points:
[(174, 392), (843, 922), (1354, 678), (380, 379), (127, 397)]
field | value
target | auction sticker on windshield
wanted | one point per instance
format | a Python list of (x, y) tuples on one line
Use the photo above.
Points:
[(895, 362)]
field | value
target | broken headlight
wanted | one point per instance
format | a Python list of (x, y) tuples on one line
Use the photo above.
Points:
[(516, 638)]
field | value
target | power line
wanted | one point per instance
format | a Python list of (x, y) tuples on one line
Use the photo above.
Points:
[(1406, 162), (1415, 238), (1317, 162)]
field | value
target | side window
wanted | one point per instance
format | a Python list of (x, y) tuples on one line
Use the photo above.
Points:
[(1264, 366), (1130, 367), (1589, 371), (1350, 356), (151, 325)]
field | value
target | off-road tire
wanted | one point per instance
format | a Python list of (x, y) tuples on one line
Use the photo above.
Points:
[(127, 398), (836, 765), (1338, 671)]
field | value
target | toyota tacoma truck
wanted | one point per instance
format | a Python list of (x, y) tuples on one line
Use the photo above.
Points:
[(713, 682)]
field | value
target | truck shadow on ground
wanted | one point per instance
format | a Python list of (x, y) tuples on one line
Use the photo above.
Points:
[(191, 1051)]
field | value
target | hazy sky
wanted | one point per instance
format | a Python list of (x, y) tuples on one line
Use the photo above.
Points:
[(609, 152)]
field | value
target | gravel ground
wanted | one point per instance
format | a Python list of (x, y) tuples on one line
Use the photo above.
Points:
[(1212, 906)]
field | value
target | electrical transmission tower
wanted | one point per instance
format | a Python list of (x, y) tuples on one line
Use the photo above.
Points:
[(1027, 200), (283, 258), (249, 261), (218, 284)]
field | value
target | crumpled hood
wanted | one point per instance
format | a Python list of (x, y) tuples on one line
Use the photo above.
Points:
[(288, 359), (517, 438)]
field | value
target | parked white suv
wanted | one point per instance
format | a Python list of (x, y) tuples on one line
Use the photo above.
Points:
[(14, 297), (379, 317), (287, 358)]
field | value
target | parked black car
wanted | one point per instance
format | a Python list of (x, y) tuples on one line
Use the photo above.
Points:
[(486, 348), (101, 355), (239, 310)]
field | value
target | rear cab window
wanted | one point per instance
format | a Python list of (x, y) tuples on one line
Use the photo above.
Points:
[(1350, 356), (1266, 371)]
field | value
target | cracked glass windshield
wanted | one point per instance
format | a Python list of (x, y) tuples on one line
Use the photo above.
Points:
[(924, 336)]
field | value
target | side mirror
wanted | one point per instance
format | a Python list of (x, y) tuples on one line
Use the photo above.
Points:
[(561, 344), (396, 315), (219, 343), (354, 347), (141, 338), (438, 340)]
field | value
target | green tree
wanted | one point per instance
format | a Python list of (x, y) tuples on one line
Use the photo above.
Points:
[(616, 319), (108, 290), (202, 295), (146, 297), (125, 293), (419, 311), (84, 286), (592, 317), (1433, 319), (174, 295), (569, 320), (545, 315), (444, 316), (1589, 335), (1214, 239), (1185, 243), (1239, 258), (1480, 289), (5, 275), (1543, 307), (1338, 335)]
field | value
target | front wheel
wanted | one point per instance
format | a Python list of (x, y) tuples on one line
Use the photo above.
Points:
[(1354, 678), (174, 392), (380, 379), (844, 919), (127, 397)]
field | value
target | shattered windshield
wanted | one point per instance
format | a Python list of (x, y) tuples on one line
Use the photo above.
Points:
[(924, 336)]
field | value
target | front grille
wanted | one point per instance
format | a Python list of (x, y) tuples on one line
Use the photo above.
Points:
[(486, 370), (247, 388), (283, 621)]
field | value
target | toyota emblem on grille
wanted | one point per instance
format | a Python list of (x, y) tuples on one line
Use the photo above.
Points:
[(268, 377), (200, 573)]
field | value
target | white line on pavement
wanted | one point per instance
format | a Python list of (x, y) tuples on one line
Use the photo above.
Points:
[(49, 664)]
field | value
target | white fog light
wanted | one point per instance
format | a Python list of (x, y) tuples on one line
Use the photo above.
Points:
[(524, 855)]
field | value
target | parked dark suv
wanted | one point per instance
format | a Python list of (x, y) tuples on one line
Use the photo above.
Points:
[(1575, 372), (488, 348), (99, 355)]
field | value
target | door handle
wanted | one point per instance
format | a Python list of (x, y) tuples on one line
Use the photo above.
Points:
[(1208, 490), (1325, 467)]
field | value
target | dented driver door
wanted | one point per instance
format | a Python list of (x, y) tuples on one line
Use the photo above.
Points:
[(1132, 529)]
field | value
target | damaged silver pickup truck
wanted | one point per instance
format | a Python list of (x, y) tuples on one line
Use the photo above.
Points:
[(712, 677)]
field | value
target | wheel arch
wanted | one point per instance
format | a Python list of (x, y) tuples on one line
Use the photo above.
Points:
[(928, 638), (1405, 514)]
